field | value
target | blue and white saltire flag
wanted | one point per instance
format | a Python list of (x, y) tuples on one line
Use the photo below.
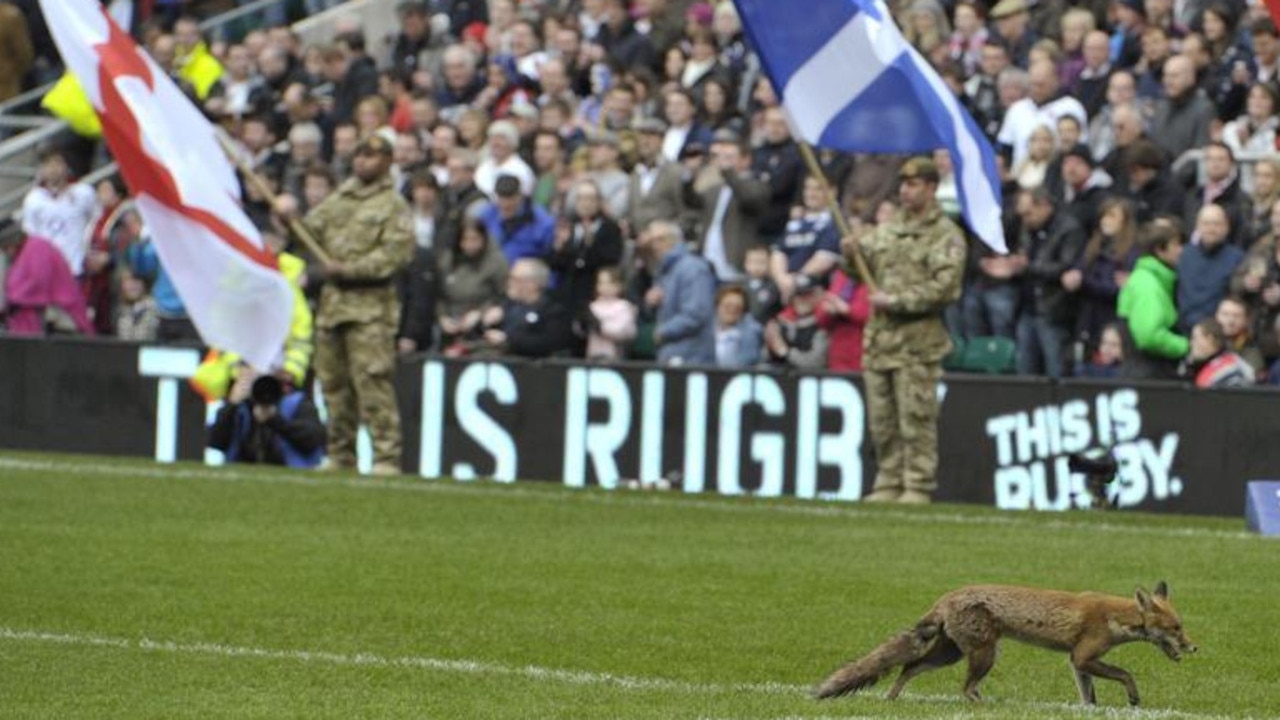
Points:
[(849, 81)]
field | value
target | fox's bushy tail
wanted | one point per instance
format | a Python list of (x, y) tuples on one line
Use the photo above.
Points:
[(866, 671)]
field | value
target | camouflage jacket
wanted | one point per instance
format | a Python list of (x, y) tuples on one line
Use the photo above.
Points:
[(369, 230), (920, 263)]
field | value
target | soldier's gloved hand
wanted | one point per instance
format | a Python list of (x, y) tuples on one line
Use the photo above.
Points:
[(334, 269)]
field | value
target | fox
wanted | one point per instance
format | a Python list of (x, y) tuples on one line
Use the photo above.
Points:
[(969, 622)]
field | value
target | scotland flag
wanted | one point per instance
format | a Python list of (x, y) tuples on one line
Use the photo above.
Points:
[(851, 82)]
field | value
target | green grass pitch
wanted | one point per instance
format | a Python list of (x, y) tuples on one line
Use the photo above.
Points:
[(135, 590)]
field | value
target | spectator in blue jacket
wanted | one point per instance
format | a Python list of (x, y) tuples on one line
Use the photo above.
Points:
[(519, 227), (144, 262), (684, 298), (1204, 272)]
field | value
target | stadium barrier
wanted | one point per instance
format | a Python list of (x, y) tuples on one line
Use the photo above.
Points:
[(1004, 441)]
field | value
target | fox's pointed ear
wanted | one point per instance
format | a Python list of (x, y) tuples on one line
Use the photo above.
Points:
[(1162, 590), (1144, 599)]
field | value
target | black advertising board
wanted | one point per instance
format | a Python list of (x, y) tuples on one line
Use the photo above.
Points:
[(1004, 441)]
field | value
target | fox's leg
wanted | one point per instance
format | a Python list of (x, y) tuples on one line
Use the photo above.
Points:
[(1097, 668), (1084, 683), (943, 653), (975, 632), (981, 660)]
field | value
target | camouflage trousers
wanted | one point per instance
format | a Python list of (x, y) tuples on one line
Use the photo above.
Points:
[(902, 409), (355, 364)]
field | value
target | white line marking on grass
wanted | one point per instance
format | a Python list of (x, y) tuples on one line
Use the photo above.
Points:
[(533, 672), (571, 677), (1038, 520)]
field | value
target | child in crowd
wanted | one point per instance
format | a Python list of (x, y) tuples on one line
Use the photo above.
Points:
[(1211, 364), (799, 336), (737, 332), (136, 315), (1107, 358), (848, 305), (613, 318), (763, 299)]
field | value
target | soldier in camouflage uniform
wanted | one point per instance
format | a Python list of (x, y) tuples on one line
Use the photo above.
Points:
[(917, 258), (367, 230)]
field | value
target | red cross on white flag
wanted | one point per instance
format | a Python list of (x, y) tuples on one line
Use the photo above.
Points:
[(185, 189)]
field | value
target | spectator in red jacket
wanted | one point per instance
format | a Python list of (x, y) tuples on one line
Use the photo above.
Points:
[(847, 307)]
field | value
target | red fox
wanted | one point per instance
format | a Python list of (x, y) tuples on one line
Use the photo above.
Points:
[(969, 623)]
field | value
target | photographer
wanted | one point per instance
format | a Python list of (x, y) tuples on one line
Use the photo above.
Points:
[(262, 423)]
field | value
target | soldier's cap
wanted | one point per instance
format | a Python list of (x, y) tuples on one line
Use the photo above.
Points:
[(806, 284), (1080, 150), (507, 186), (1008, 8), (919, 167), (651, 126), (375, 143)]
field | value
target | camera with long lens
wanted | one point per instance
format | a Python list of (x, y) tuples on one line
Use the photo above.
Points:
[(266, 390)]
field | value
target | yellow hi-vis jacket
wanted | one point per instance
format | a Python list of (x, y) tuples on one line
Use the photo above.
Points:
[(200, 68), (217, 372), (68, 101)]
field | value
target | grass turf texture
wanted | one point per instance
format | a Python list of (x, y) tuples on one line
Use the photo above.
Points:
[(134, 590)]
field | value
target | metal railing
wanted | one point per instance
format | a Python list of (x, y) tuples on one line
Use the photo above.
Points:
[(223, 26), (22, 100), (1245, 163)]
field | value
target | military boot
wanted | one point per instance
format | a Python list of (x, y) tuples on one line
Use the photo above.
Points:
[(331, 464), (914, 497), (883, 495)]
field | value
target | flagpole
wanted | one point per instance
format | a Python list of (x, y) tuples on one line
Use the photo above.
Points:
[(841, 221), (260, 185)]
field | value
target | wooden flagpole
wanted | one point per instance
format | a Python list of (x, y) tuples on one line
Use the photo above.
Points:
[(260, 185), (842, 222)]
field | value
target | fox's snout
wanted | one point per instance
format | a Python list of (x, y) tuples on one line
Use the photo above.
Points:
[(1175, 648)]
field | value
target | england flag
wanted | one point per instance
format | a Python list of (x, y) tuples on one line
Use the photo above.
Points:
[(186, 190)]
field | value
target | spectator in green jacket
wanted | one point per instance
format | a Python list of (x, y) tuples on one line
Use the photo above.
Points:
[(1147, 309)]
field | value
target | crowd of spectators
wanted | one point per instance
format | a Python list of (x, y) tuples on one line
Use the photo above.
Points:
[(608, 180)]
